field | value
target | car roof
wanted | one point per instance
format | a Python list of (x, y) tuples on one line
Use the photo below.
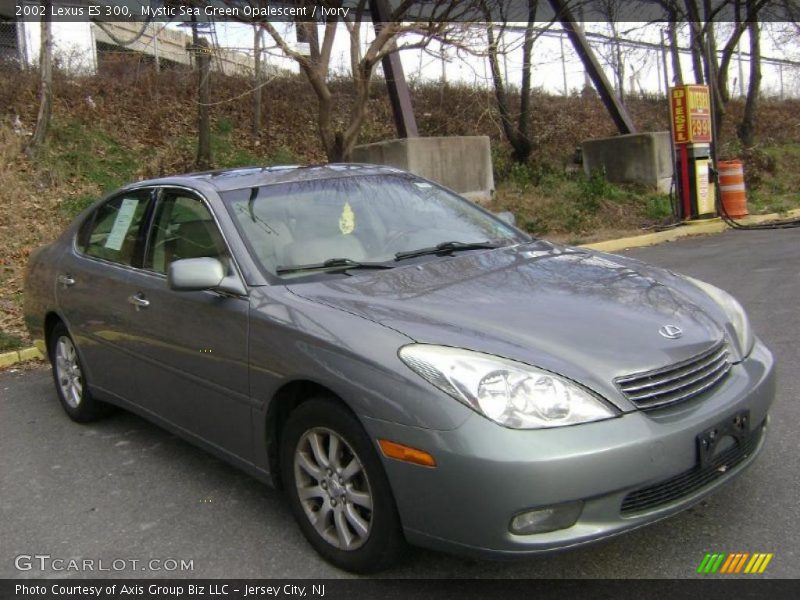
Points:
[(248, 177)]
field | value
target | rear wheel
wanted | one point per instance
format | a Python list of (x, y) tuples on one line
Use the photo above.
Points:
[(337, 488), (70, 379)]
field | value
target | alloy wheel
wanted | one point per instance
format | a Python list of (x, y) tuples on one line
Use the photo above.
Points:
[(68, 372), (333, 488)]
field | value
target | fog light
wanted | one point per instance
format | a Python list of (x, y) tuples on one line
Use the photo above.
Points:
[(548, 518)]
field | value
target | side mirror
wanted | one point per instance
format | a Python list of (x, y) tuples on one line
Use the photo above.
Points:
[(195, 274), (507, 217)]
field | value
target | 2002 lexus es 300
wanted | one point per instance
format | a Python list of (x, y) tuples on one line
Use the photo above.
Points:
[(404, 364)]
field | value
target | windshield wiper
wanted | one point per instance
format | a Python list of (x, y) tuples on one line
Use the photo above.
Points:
[(333, 263), (445, 248)]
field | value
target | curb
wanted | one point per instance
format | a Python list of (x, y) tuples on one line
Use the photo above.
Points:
[(8, 359), (637, 241), (691, 228)]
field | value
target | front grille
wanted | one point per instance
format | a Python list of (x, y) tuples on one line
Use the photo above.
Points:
[(678, 382), (677, 487)]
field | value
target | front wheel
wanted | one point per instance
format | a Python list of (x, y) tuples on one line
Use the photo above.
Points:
[(337, 488)]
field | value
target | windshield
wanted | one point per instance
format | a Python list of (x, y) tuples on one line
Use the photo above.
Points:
[(368, 219)]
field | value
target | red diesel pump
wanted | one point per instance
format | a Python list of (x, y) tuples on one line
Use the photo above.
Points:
[(690, 109)]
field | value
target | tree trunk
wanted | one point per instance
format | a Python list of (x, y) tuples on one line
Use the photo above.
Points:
[(725, 62), (677, 70), (256, 125), (746, 128), (523, 150), (695, 39), (620, 69), (202, 51), (46, 75), (517, 135), (500, 89), (326, 133), (697, 53), (346, 141), (710, 42)]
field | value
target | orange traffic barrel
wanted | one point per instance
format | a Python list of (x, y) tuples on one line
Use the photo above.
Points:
[(731, 187)]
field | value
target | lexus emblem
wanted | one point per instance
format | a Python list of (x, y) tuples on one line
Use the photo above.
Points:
[(671, 332)]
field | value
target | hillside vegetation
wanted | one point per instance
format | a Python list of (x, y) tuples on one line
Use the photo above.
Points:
[(107, 131)]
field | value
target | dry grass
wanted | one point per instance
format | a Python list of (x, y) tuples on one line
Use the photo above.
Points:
[(30, 215)]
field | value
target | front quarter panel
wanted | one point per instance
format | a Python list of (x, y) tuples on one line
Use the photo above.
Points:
[(294, 339)]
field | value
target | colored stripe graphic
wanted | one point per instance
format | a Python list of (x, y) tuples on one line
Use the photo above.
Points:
[(740, 564), (726, 567), (733, 563), (718, 563)]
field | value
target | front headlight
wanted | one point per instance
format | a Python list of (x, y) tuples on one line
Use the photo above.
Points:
[(512, 394), (742, 332)]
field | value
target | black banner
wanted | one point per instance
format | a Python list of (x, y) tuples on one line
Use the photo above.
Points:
[(249, 11), (398, 589)]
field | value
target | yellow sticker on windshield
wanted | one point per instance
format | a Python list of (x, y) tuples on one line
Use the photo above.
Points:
[(347, 220)]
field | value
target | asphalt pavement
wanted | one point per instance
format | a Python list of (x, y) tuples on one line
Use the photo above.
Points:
[(123, 489)]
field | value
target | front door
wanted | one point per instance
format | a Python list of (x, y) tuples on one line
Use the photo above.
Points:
[(191, 347)]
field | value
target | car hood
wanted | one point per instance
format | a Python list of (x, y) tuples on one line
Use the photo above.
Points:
[(589, 316)]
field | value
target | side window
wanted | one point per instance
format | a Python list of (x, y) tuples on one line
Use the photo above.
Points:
[(115, 228), (183, 228)]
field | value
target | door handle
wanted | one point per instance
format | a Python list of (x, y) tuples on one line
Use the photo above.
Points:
[(139, 301), (65, 281)]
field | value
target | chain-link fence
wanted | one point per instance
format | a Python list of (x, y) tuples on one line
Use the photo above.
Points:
[(11, 48)]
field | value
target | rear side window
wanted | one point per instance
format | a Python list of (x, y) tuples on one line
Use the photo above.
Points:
[(114, 231)]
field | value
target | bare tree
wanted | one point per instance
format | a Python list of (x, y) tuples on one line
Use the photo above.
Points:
[(746, 129), (517, 134), (257, 35), (46, 82), (674, 48), (694, 19), (399, 33), (202, 54), (610, 9)]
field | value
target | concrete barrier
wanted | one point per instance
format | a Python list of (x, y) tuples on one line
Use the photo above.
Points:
[(644, 158), (463, 164)]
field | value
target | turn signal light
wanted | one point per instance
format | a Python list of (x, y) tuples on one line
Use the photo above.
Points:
[(406, 453)]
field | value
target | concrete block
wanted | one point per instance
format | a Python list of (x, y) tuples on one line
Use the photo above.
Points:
[(30, 354), (463, 164), (9, 358), (644, 158)]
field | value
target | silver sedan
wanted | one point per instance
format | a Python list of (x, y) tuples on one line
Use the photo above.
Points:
[(405, 365)]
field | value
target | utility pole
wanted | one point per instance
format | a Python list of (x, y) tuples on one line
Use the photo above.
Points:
[(563, 65)]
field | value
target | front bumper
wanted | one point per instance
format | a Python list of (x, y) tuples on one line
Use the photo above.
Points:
[(486, 474)]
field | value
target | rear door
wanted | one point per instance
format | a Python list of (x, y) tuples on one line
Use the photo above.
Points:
[(191, 347), (92, 289)]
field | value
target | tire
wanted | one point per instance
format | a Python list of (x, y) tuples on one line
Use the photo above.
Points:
[(359, 502), (70, 379)]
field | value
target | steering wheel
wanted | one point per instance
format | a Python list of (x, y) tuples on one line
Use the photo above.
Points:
[(391, 238)]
